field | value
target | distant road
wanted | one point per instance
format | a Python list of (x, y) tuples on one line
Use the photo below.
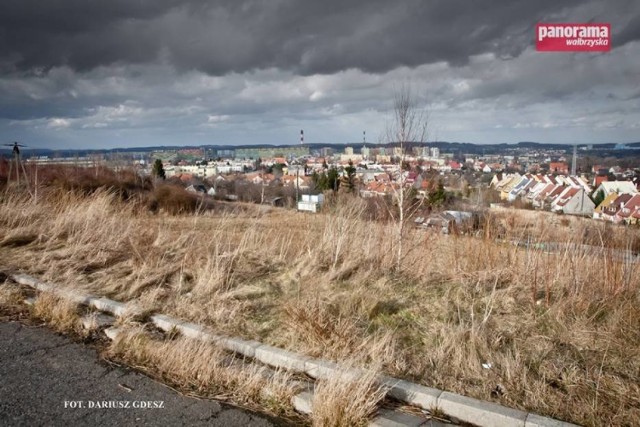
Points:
[(43, 376)]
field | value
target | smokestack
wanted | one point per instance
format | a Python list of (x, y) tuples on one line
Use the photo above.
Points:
[(301, 136), (575, 159)]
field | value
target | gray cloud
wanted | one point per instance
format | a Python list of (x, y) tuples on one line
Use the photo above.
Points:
[(123, 72), (306, 37)]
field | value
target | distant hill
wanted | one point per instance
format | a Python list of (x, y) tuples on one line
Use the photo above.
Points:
[(601, 149)]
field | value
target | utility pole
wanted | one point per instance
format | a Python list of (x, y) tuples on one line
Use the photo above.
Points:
[(297, 184), (18, 162)]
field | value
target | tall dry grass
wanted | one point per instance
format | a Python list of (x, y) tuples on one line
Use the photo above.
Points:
[(559, 328), (342, 400), (199, 367), (10, 295), (60, 314)]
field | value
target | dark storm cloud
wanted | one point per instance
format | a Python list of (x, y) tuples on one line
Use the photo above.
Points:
[(306, 37), (629, 33), (116, 72)]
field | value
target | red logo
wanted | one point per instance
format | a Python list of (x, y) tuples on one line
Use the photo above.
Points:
[(573, 37)]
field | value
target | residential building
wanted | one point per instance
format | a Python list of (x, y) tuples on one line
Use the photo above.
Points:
[(574, 201), (619, 187)]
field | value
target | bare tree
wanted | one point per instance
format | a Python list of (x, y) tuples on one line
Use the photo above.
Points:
[(409, 125)]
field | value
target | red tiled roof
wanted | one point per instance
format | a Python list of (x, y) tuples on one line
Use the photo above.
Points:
[(631, 206), (599, 180), (530, 185), (614, 207), (379, 187), (558, 167), (623, 198), (567, 196), (545, 191), (556, 191)]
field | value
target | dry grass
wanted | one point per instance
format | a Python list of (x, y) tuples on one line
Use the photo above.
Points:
[(205, 370), (10, 295), (560, 328), (342, 400), (60, 314)]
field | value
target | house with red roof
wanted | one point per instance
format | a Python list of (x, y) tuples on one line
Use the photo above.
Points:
[(378, 188), (599, 179), (609, 213), (558, 167), (455, 166), (573, 201), (608, 200), (555, 193), (628, 209), (539, 199)]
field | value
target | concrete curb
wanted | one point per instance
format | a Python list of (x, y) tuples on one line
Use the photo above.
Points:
[(41, 286), (454, 405), (112, 333), (280, 358), (97, 321), (110, 306), (411, 393), (479, 412)]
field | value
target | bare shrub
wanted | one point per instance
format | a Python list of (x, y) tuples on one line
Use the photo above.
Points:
[(173, 199)]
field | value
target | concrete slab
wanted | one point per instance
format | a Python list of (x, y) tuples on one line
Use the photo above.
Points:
[(391, 418), (320, 369), (534, 420), (110, 306), (27, 280), (479, 412), (74, 296), (413, 394), (71, 295), (97, 320), (112, 333), (303, 402), (245, 347), (280, 358), (165, 323), (196, 332)]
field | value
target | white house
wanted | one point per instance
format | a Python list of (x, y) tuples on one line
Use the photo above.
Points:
[(311, 202), (619, 187), (574, 201)]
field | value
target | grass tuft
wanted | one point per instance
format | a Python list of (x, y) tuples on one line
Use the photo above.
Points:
[(59, 313), (344, 400)]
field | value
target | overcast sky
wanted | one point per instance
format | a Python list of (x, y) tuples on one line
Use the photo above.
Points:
[(125, 73)]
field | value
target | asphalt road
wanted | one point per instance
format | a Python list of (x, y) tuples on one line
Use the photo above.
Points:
[(48, 380)]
